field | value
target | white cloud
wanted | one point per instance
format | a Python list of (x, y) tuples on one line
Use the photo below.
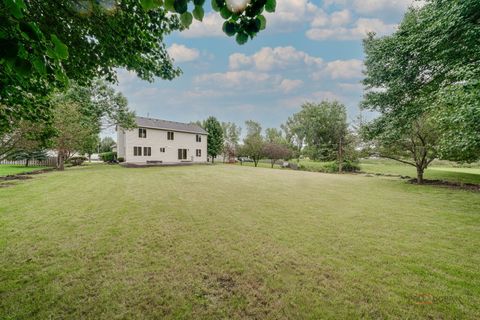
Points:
[(211, 26), (370, 7), (344, 69), (340, 18), (380, 6), (181, 53), (268, 58), (350, 87), (253, 81), (290, 13), (233, 79), (358, 31), (238, 61), (288, 85)]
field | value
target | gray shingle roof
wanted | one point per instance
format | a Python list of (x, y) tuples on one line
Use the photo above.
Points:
[(169, 125)]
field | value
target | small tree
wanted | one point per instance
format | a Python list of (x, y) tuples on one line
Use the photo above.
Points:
[(90, 145), (415, 144), (275, 151), (215, 137), (253, 142), (71, 130), (106, 145)]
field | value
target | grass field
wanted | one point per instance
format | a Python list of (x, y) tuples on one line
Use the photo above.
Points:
[(7, 169), (218, 242)]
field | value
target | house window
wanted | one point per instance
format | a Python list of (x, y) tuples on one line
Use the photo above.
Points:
[(198, 152), (142, 132), (199, 138), (169, 135), (162, 150), (147, 151), (182, 154), (137, 151)]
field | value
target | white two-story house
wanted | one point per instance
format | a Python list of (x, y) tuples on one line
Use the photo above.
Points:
[(161, 141)]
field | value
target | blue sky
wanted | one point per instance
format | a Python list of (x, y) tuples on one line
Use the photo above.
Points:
[(311, 50)]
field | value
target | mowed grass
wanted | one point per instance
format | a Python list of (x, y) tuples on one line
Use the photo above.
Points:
[(232, 242), (438, 171), (8, 169)]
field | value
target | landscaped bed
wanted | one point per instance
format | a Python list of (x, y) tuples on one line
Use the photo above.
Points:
[(11, 169), (108, 242)]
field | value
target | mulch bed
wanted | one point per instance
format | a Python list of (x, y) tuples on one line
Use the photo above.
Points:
[(448, 184), (25, 175)]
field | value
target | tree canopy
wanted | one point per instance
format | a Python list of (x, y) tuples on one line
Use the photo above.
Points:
[(43, 44), (323, 126), (429, 68)]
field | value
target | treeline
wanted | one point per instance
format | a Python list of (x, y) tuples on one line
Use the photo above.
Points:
[(319, 131)]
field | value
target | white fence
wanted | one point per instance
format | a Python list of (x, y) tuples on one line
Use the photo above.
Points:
[(49, 162)]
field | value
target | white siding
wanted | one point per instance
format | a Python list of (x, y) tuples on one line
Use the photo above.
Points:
[(157, 139)]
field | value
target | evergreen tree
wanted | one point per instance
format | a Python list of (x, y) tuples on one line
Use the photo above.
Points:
[(215, 137)]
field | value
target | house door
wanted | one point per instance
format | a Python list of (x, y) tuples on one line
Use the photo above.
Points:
[(182, 154)]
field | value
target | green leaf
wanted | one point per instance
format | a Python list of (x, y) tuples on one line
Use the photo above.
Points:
[(40, 66), (23, 67), (241, 38), (61, 50), (215, 6), (263, 22), (181, 6), (270, 5), (229, 28), (186, 19), (225, 13), (169, 5), (15, 7), (198, 13), (198, 2), (30, 30), (148, 4)]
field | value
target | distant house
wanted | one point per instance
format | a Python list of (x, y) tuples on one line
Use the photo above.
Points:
[(161, 141)]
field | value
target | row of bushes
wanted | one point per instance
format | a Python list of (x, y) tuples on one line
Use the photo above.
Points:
[(329, 167), (110, 157)]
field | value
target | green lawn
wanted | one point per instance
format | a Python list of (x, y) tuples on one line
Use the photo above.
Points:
[(7, 169), (440, 171), (232, 242)]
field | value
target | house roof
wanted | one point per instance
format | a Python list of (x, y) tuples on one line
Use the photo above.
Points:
[(169, 125)]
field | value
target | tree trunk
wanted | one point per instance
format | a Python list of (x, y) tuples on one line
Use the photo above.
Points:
[(60, 160), (420, 171), (26, 163), (213, 159), (340, 157), (273, 162), (255, 162)]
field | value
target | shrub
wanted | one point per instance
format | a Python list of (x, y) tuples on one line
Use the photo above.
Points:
[(77, 161), (121, 159), (108, 156), (329, 167)]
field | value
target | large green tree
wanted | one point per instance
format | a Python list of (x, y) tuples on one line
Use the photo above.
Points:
[(429, 68), (45, 43), (87, 109), (215, 137), (324, 128)]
